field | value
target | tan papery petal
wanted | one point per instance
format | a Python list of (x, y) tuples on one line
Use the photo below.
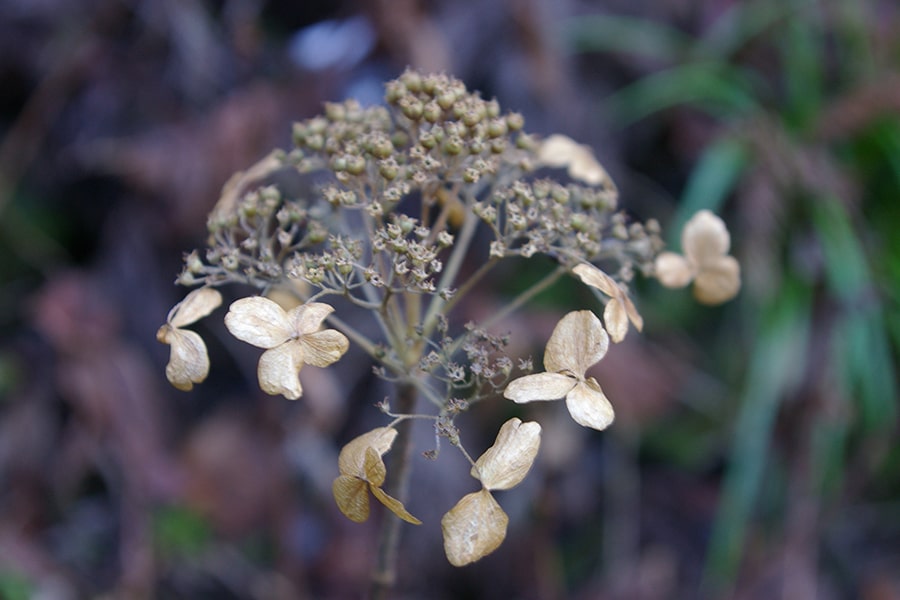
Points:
[(188, 361), (589, 406), (540, 386), (395, 506), (616, 320), (352, 497), (594, 277), (196, 305), (704, 238), (323, 348), (557, 151), (473, 528), (718, 281), (307, 318), (279, 370), (258, 321), (506, 463), (578, 341), (374, 467), (673, 270), (352, 459), (620, 309)]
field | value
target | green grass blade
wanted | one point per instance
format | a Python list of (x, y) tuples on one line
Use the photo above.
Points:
[(626, 35), (719, 89), (776, 363)]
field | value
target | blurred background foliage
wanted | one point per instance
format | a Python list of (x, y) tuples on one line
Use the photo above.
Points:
[(754, 453)]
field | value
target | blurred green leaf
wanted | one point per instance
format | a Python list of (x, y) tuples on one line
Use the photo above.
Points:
[(180, 532), (861, 345), (719, 89), (15, 587), (801, 56), (626, 35), (776, 365), (744, 21)]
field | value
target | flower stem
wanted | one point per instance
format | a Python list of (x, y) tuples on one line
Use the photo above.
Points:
[(397, 485)]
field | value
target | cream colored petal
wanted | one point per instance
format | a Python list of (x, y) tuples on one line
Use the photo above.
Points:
[(258, 321), (323, 348), (506, 463), (616, 320), (718, 281), (352, 458), (589, 406), (594, 277), (307, 318), (188, 361), (633, 315), (473, 528), (577, 342), (352, 497), (704, 238), (585, 167), (374, 467), (196, 305), (395, 506), (558, 151), (540, 386), (279, 370), (673, 270)]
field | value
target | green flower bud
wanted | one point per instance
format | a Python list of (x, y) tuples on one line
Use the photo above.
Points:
[(453, 146), (412, 80), (335, 111), (515, 121), (356, 165), (412, 109), (432, 112)]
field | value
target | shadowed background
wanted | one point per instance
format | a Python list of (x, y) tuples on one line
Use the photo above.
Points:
[(754, 451)]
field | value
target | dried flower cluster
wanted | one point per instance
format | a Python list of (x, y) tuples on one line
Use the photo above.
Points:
[(395, 198)]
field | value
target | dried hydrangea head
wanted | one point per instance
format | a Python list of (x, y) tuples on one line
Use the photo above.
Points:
[(562, 151), (578, 342), (619, 310), (291, 339), (476, 525), (706, 262), (188, 360), (362, 471)]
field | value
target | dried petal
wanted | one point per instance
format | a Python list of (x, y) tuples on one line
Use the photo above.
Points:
[(323, 348), (374, 467), (279, 368), (307, 318), (704, 238), (589, 406), (196, 305), (352, 497), (352, 458), (473, 528), (258, 321), (188, 361), (619, 310), (562, 151), (395, 506), (719, 281), (506, 463), (539, 386), (578, 341), (673, 270)]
